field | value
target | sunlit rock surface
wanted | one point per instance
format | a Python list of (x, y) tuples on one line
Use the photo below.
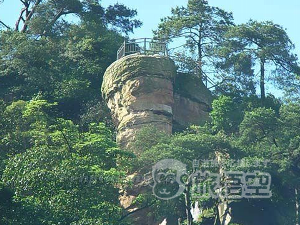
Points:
[(146, 90)]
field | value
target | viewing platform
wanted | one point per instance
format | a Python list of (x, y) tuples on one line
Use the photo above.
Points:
[(145, 46), (154, 46)]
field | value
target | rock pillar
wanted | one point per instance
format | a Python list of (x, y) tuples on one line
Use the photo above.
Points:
[(138, 90)]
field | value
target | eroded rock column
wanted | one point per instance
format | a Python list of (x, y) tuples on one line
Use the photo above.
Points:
[(138, 90)]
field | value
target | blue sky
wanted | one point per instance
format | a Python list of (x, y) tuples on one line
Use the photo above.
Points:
[(286, 13)]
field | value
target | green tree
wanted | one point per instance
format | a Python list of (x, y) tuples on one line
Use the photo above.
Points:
[(259, 125), (49, 56), (44, 17), (66, 70), (201, 25), (195, 144), (268, 136), (226, 115), (264, 45), (62, 175)]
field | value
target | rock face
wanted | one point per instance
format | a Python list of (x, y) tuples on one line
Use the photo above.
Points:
[(192, 101), (146, 90)]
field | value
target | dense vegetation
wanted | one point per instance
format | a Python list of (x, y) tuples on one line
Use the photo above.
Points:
[(59, 163)]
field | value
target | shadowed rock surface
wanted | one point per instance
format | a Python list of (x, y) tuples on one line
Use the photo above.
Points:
[(192, 101)]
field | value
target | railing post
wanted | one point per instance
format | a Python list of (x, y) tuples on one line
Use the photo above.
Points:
[(124, 44), (145, 45), (166, 50)]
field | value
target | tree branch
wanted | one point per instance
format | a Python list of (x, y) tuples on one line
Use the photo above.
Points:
[(29, 16), (3, 24), (134, 211), (57, 16), (20, 18), (67, 141)]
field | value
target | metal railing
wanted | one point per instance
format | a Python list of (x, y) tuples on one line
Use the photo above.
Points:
[(207, 81), (147, 46)]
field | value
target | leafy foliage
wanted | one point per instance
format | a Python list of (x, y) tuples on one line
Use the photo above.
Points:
[(59, 164), (61, 174), (202, 26), (259, 44)]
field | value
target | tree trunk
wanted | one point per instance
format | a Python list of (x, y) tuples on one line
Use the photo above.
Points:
[(297, 206), (30, 15), (262, 81), (199, 45), (199, 63), (224, 210), (188, 204), (179, 221)]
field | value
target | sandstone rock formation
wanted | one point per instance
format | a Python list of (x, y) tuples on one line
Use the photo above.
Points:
[(146, 90), (192, 101)]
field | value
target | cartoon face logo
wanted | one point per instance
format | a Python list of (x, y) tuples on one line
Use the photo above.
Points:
[(167, 176)]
